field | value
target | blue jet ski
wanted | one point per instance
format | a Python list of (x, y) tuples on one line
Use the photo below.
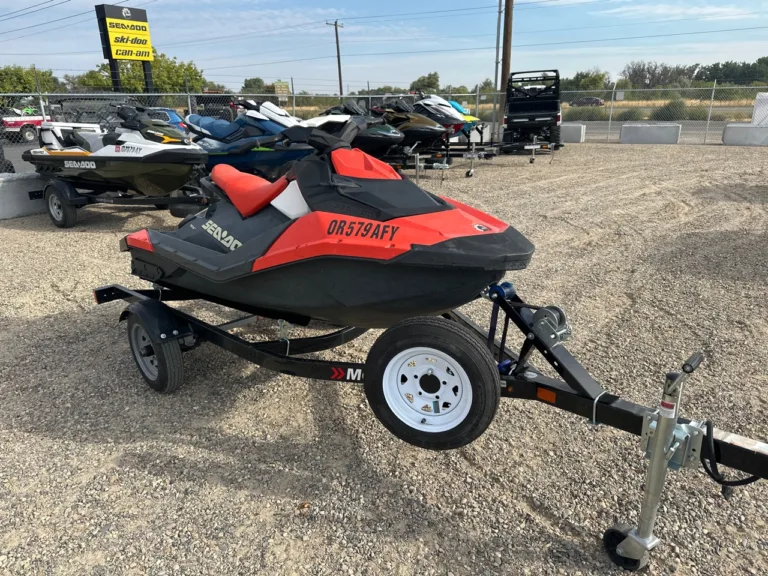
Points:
[(241, 143)]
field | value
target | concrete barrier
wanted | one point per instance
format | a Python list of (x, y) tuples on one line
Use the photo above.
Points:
[(739, 134), (573, 133), (15, 199), (650, 133)]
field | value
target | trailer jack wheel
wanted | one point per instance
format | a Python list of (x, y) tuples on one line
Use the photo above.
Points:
[(532, 160), (615, 536), (470, 173)]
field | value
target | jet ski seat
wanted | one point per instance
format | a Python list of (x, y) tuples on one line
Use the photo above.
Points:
[(247, 192), (212, 127), (92, 141)]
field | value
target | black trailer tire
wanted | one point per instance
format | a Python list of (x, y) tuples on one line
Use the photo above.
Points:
[(6, 167), (417, 360), (556, 136), (60, 211), (161, 206), (160, 364)]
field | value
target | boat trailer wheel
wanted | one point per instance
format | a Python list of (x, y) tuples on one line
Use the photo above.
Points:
[(432, 383), (159, 362), (62, 214)]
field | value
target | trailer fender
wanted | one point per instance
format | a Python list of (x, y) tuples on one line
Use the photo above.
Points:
[(68, 192), (158, 320)]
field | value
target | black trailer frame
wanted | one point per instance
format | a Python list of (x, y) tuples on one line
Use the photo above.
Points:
[(68, 195), (671, 442)]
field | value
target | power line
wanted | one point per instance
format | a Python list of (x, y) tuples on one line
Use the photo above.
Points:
[(69, 25), (23, 9)]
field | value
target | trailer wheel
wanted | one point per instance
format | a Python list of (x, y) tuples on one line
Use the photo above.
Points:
[(61, 212), (615, 536), (159, 363), (432, 383)]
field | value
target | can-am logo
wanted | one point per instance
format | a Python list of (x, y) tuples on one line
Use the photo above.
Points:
[(79, 164), (126, 13), (129, 27), (221, 235)]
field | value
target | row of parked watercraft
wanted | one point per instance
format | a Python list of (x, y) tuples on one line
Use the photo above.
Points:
[(150, 158)]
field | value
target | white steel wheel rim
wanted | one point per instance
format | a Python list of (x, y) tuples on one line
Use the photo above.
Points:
[(54, 204), (427, 389)]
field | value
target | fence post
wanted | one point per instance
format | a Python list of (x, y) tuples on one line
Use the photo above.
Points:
[(189, 97), (477, 100), (39, 94), (709, 116), (293, 93), (610, 115)]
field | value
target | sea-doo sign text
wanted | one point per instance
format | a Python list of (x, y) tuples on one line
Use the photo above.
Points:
[(124, 33)]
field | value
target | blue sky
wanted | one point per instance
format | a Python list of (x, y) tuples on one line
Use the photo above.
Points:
[(284, 38)]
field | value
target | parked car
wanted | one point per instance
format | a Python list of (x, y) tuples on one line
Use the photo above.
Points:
[(167, 115), (587, 101), (16, 126)]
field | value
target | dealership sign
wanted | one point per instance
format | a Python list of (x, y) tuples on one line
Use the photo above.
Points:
[(124, 33)]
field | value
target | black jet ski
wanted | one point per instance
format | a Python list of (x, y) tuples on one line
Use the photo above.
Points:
[(420, 133), (376, 137), (341, 238)]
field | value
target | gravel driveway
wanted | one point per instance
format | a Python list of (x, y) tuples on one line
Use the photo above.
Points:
[(655, 252)]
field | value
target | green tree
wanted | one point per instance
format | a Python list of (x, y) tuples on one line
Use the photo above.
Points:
[(428, 83), (253, 86), (168, 75), (455, 89), (20, 79), (486, 86)]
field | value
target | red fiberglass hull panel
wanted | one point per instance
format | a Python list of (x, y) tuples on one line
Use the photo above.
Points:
[(320, 234)]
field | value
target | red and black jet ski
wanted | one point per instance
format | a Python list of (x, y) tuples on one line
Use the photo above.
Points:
[(341, 238)]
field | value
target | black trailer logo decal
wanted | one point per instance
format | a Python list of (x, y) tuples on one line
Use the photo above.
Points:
[(361, 229), (353, 374), (221, 235)]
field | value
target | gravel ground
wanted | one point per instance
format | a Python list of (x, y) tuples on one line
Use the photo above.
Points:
[(654, 251)]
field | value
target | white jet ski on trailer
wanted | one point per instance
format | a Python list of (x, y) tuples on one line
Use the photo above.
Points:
[(142, 161)]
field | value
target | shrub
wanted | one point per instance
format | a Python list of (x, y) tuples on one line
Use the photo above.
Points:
[(588, 114), (630, 115), (673, 110), (719, 117), (700, 114)]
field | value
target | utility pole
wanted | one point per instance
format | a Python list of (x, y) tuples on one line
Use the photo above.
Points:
[(506, 56), (496, 89), (336, 27)]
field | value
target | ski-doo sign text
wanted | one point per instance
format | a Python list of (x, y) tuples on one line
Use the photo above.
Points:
[(124, 33)]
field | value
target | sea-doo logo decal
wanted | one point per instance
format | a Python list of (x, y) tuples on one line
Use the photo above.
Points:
[(221, 235), (126, 13), (128, 149), (362, 229), (77, 164), (129, 27)]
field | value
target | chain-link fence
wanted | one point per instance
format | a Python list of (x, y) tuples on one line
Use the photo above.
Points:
[(702, 112)]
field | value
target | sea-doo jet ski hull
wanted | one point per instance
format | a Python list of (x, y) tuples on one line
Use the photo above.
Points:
[(341, 238)]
